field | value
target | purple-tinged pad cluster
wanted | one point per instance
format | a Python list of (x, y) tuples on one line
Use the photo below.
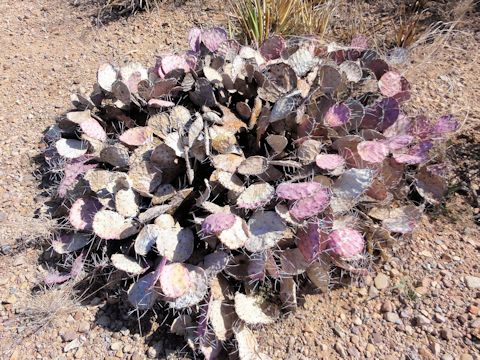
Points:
[(297, 191), (346, 243), (445, 124), (311, 241), (249, 163), (329, 162), (214, 224), (403, 220), (170, 63), (415, 155), (310, 206), (55, 277), (143, 294), (174, 280), (82, 212), (399, 142), (195, 39), (213, 37), (136, 136), (272, 48), (256, 196), (393, 84), (72, 170), (337, 115), (68, 243), (372, 151)]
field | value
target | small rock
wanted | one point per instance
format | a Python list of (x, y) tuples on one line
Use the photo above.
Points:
[(116, 346), (353, 352), (137, 356), (466, 357), (472, 282), (83, 327), (439, 318), (341, 350), (421, 320), (472, 309), (426, 253), (387, 307), (72, 345), (447, 357), (425, 353), (151, 353), (446, 334), (392, 317), (357, 321), (155, 351), (370, 348), (461, 319), (435, 348), (376, 338), (338, 331), (408, 330), (372, 292), (381, 281), (475, 324), (68, 335)]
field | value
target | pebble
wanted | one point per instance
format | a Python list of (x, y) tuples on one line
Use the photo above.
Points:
[(472, 282), (421, 320), (72, 345), (68, 335), (341, 350), (353, 352), (386, 307), (357, 321), (381, 281), (472, 309), (116, 346), (372, 292), (439, 318), (447, 357), (392, 317), (466, 357), (475, 324), (446, 334), (376, 338), (83, 326), (435, 348), (461, 319)]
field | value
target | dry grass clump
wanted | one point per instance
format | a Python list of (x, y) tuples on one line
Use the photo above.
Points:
[(256, 20), (129, 6), (47, 307)]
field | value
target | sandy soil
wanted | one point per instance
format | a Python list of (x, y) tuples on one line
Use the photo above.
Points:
[(422, 306)]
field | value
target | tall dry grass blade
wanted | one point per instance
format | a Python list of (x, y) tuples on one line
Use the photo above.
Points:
[(255, 20)]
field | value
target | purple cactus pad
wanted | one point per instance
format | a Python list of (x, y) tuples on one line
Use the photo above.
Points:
[(216, 223), (297, 191)]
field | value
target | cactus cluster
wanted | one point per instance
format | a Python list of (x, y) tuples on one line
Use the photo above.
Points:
[(230, 169)]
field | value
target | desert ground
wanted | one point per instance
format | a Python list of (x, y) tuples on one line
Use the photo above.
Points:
[(423, 302)]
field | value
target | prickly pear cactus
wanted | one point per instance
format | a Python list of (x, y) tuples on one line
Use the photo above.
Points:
[(227, 167)]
